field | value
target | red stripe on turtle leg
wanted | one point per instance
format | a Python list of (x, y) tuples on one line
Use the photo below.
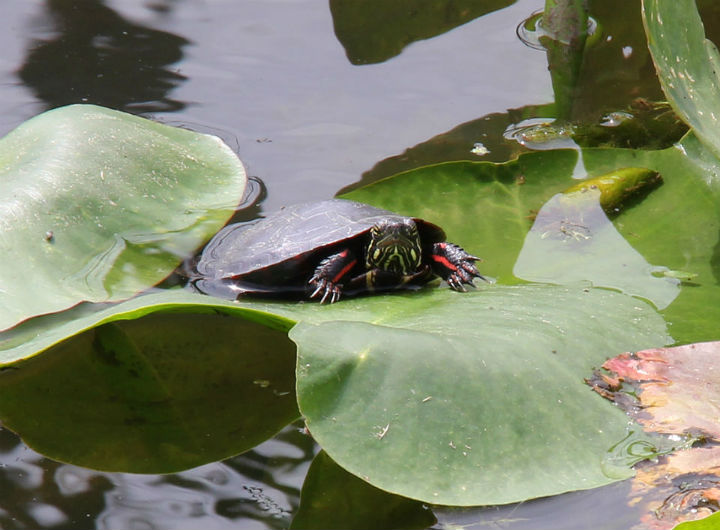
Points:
[(442, 260), (347, 268)]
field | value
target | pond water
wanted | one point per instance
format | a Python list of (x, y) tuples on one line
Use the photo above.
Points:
[(272, 79)]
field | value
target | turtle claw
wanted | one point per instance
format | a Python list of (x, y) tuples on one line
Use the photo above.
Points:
[(329, 276), (455, 266), (330, 291)]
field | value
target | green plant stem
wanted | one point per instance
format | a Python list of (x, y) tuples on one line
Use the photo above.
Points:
[(565, 25)]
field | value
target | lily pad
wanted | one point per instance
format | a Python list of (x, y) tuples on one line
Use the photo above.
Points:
[(476, 401), (709, 523), (159, 394), (675, 387), (676, 228), (96, 205), (439, 408)]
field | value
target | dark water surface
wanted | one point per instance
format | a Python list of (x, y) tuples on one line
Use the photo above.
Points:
[(270, 78)]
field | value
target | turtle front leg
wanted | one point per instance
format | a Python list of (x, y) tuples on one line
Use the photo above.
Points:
[(454, 265), (330, 274)]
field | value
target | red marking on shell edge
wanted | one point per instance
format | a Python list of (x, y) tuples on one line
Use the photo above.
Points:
[(344, 270), (442, 260)]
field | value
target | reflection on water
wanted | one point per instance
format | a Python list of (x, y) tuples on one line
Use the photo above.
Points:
[(572, 241), (259, 489), (97, 56)]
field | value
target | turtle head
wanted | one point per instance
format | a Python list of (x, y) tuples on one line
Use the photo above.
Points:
[(394, 246)]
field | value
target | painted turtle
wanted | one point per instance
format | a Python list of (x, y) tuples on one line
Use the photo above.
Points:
[(325, 249)]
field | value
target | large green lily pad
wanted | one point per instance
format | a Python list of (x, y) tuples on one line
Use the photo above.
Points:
[(157, 394), (477, 401), (96, 205), (486, 208), (484, 388)]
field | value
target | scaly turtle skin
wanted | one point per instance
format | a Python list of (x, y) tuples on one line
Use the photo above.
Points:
[(328, 249)]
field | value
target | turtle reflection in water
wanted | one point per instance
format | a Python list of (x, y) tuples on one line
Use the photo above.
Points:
[(326, 249)]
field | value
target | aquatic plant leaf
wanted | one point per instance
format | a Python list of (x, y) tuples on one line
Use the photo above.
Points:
[(541, 390), (709, 523), (489, 209), (671, 391), (333, 498), (484, 207), (37, 335), (96, 205), (676, 227), (676, 388), (476, 400), (687, 65), (159, 394), (573, 240), (515, 216)]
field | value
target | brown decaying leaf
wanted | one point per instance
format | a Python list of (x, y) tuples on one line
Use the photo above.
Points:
[(673, 391)]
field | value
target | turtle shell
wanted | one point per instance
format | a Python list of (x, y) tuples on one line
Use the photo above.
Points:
[(280, 252)]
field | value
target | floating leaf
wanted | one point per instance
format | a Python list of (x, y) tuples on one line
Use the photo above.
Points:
[(573, 240), (709, 523), (466, 404), (96, 205), (676, 388), (155, 395), (676, 227), (474, 401), (672, 391)]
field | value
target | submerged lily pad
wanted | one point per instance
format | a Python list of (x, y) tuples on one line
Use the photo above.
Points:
[(158, 394), (333, 498), (96, 205)]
